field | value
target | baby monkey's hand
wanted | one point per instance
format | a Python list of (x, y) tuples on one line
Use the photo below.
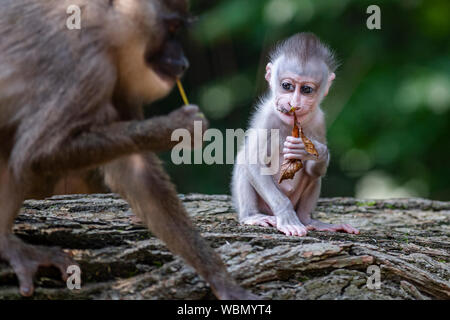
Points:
[(294, 148)]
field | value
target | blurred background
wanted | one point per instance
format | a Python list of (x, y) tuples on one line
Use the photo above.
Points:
[(388, 112)]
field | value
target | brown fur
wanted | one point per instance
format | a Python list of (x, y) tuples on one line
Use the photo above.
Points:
[(71, 115)]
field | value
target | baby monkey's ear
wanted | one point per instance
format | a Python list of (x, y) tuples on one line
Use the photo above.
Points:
[(331, 77), (269, 72)]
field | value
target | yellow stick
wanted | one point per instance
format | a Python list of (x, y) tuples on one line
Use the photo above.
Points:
[(183, 94)]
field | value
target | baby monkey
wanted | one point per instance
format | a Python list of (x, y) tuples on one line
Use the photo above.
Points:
[(300, 73)]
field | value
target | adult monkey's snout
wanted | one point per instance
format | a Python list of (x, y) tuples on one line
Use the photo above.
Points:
[(172, 61)]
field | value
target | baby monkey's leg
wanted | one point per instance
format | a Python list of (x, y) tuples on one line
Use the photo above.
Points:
[(306, 206), (246, 201)]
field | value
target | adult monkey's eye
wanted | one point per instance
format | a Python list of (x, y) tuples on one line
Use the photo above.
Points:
[(306, 90), (287, 86), (174, 25)]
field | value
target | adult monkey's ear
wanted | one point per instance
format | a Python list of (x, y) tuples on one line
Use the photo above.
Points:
[(331, 77), (269, 72)]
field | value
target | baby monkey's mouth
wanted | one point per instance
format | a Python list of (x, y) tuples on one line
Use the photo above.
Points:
[(289, 111), (283, 110)]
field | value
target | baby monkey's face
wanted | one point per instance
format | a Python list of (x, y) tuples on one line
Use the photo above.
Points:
[(297, 93), (295, 87)]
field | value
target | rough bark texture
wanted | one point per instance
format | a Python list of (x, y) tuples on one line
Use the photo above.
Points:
[(407, 238)]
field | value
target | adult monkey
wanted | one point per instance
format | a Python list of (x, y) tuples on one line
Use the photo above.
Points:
[(70, 101)]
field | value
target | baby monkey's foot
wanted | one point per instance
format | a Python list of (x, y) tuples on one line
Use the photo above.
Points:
[(259, 219), (25, 260), (294, 229), (290, 225), (322, 226)]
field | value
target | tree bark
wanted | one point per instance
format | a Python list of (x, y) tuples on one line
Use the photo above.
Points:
[(408, 239)]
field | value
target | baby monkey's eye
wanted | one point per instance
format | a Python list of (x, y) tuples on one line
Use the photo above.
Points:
[(287, 86), (306, 90)]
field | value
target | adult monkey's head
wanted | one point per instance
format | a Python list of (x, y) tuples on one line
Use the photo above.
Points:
[(145, 38)]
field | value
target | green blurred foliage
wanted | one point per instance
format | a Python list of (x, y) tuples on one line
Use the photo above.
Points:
[(388, 112)]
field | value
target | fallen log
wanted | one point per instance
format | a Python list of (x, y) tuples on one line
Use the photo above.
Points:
[(407, 239)]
